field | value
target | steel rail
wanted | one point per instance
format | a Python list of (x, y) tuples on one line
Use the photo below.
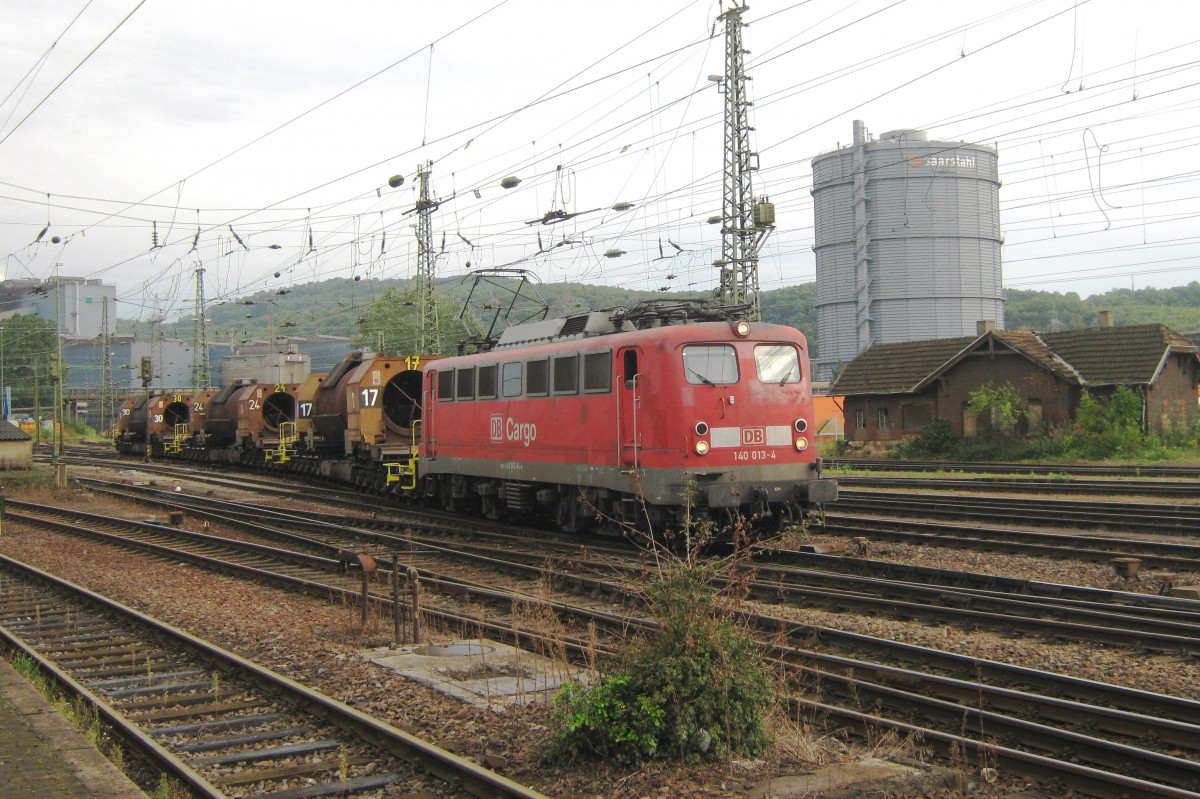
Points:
[(1107, 470), (373, 732)]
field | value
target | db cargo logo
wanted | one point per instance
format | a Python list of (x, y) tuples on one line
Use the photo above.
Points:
[(754, 436), (507, 429)]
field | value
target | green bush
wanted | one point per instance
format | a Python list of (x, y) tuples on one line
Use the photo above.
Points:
[(697, 687), (937, 440), (608, 720)]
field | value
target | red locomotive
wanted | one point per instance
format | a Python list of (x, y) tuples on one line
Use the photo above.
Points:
[(636, 417)]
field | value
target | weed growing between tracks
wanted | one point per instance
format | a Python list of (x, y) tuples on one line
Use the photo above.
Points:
[(697, 687), (84, 718)]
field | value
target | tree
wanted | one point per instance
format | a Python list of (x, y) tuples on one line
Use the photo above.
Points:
[(29, 352), (390, 324)]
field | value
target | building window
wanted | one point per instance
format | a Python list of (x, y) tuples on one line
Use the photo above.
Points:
[(915, 417), (883, 418), (860, 420)]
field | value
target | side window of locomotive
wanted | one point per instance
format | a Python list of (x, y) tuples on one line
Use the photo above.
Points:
[(631, 368), (464, 382), (710, 364), (445, 385), (486, 387), (777, 363), (537, 382), (511, 375), (566, 374), (597, 372)]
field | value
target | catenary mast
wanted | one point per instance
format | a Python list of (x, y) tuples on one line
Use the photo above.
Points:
[(745, 224), (429, 339), (200, 367)]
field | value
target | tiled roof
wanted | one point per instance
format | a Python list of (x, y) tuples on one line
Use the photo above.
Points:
[(1037, 350), (1094, 356), (1124, 355), (897, 368), (10, 432)]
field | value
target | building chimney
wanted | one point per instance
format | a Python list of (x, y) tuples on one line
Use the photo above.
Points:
[(984, 326), (1105, 319)]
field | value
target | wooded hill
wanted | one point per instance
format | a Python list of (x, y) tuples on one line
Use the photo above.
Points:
[(340, 307)]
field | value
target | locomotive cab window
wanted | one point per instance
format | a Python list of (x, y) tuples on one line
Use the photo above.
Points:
[(537, 382), (445, 385), (510, 375), (464, 380), (566, 374), (597, 372), (777, 363), (486, 385), (710, 364)]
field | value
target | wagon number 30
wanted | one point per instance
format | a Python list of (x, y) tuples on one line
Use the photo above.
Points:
[(370, 397)]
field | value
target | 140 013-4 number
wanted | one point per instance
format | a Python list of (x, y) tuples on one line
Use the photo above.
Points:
[(754, 455)]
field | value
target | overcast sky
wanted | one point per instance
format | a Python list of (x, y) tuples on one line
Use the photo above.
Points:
[(255, 140)]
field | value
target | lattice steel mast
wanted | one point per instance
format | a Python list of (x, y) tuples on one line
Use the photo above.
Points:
[(200, 365), (745, 224), (429, 338)]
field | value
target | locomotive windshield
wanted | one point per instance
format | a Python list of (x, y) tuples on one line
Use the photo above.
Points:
[(710, 364), (777, 363)]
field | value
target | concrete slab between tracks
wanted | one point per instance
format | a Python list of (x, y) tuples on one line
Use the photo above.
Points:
[(478, 671), (42, 755), (870, 777)]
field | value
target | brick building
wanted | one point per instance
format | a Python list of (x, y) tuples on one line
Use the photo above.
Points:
[(893, 390), (16, 447)]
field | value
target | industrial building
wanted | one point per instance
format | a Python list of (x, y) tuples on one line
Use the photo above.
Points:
[(907, 242), (79, 304)]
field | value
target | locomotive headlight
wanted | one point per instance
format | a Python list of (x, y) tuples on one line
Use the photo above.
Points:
[(701, 429), (801, 425), (701, 447), (801, 443), (742, 328)]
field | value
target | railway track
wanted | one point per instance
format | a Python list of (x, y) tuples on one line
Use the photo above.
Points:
[(939, 596), (977, 467), (1095, 548), (1084, 730), (1180, 488), (217, 723), (1139, 517)]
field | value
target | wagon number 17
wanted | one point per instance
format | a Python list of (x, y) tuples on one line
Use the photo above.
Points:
[(370, 397)]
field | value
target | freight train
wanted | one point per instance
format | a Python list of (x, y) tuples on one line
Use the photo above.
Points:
[(639, 417)]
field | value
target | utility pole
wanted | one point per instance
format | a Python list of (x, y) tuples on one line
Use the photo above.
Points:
[(200, 365), (429, 339), (106, 382), (745, 224), (60, 468)]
